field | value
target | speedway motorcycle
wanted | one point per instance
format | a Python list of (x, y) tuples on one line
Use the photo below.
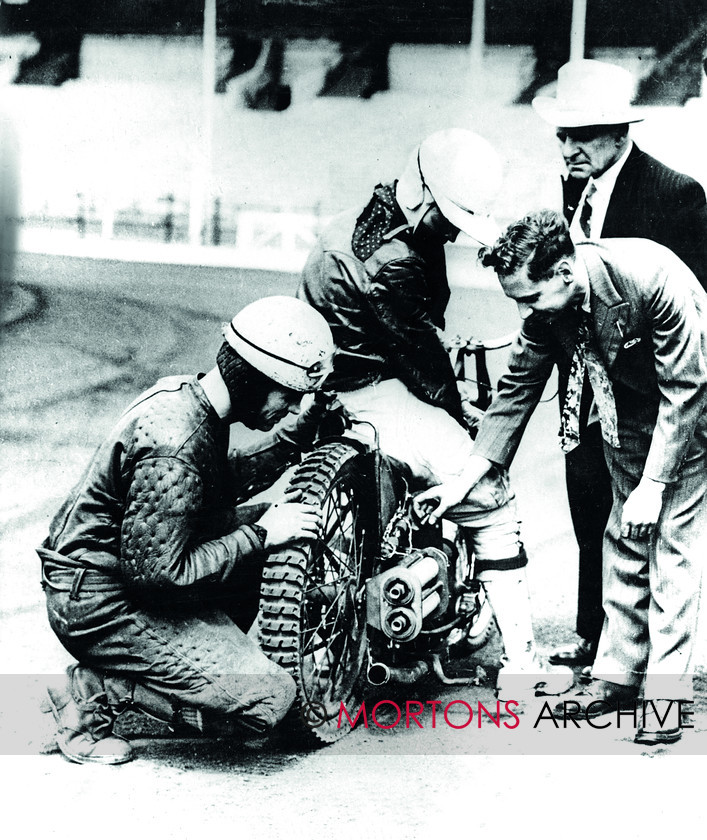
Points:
[(378, 596)]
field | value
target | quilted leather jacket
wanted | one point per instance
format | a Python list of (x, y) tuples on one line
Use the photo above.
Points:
[(383, 291), (157, 504)]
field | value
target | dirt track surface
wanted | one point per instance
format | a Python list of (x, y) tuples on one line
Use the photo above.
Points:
[(93, 341)]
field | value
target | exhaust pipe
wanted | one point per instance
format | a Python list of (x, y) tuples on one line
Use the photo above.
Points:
[(380, 674)]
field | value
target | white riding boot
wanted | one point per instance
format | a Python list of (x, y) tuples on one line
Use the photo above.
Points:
[(522, 674)]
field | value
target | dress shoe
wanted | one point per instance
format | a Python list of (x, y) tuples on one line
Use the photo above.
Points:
[(581, 653), (600, 697), (661, 723)]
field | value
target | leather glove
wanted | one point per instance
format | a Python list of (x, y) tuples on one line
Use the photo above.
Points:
[(322, 408)]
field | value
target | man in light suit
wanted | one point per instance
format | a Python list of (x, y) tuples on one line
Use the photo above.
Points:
[(632, 315), (612, 189)]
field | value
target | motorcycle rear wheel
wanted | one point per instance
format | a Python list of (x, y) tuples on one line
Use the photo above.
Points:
[(312, 616)]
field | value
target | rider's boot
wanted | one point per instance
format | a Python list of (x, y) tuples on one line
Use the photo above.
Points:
[(85, 715), (523, 674)]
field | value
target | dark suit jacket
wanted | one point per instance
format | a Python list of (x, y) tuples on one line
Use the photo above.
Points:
[(650, 323), (651, 201)]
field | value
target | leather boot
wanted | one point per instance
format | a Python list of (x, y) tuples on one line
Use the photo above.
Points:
[(85, 720)]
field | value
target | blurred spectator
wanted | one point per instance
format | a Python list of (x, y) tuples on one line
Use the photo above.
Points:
[(362, 69), (56, 27), (552, 21), (680, 45), (678, 39), (258, 36)]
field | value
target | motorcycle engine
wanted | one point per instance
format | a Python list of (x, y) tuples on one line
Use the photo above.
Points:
[(416, 590)]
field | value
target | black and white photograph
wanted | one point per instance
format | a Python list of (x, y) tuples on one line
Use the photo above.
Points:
[(353, 422)]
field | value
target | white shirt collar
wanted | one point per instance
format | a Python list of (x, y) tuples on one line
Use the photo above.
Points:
[(607, 180), (604, 186)]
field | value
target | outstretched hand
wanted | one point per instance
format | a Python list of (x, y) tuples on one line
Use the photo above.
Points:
[(444, 495), (451, 492), (286, 522)]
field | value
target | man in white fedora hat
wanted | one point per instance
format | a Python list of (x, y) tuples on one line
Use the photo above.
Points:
[(612, 189)]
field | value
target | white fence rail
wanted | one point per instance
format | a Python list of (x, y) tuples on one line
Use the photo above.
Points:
[(267, 238)]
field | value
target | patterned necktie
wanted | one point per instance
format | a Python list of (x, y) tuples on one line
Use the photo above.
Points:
[(585, 217), (586, 357)]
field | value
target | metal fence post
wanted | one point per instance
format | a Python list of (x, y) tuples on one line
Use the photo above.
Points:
[(216, 229), (578, 31), (168, 221), (81, 215)]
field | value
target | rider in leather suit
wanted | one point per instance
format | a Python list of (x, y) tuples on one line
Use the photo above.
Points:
[(150, 567)]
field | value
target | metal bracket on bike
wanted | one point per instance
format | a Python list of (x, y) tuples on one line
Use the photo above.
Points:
[(378, 455), (400, 525), (376, 438), (463, 349)]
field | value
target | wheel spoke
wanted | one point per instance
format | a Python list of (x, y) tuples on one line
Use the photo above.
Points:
[(339, 662), (336, 558), (323, 593), (323, 618), (353, 575), (329, 629), (350, 550), (336, 508), (323, 669)]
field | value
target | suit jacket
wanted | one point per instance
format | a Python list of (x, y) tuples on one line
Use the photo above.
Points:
[(651, 201), (650, 324)]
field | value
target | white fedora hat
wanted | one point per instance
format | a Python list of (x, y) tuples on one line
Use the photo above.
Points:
[(589, 93)]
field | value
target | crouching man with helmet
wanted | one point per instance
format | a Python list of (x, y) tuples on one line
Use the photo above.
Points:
[(151, 571)]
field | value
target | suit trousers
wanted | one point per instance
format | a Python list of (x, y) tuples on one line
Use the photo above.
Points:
[(590, 500), (652, 587)]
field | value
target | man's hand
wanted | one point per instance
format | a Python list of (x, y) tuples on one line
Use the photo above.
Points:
[(286, 522), (451, 492), (315, 408), (642, 509)]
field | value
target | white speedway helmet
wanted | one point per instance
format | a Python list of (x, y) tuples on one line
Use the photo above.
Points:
[(284, 338), (463, 173)]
